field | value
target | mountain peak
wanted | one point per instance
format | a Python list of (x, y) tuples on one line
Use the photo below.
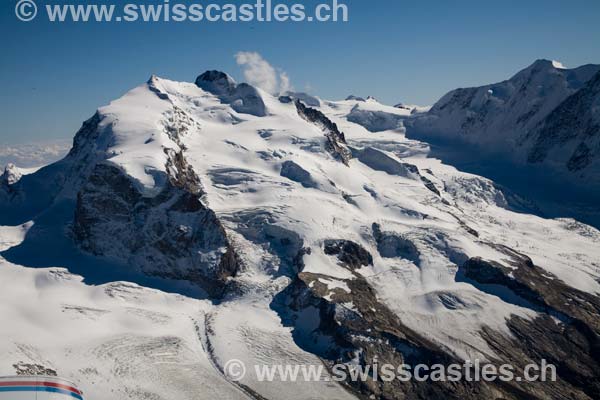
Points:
[(512, 116), (543, 64), (243, 98), (11, 174), (306, 98), (354, 98), (216, 82)]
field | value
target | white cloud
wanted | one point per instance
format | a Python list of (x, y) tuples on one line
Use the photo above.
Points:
[(258, 72), (285, 84), (33, 154)]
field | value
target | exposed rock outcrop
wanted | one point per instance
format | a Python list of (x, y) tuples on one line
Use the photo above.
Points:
[(33, 193), (350, 253), (9, 189), (571, 132), (566, 333), (361, 331), (166, 230), (11, 175), (306, 98), (335, 139), (242, 97), (391, 245), (172, 235), (538, 287), (355, 98)]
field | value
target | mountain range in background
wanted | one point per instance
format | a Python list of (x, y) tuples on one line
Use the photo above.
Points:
[(545, 114), (537, 133)]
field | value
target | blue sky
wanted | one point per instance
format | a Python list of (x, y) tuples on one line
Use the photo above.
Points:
[(53, 76)]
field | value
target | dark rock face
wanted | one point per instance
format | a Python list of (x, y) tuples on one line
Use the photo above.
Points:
[(316, 116), (537, 286), (466, 227), (369, 331), (391, 245), (374, 333), (243, 98), (171, 235), (10, 176), (355, 98), (573, 344), (25, 199), (430, 185), (216, 82), (87, 135), (335, 140), (403, 107), (9, 186), (306, 98), (28, 369), (351, 254), (581, 158), (564, 346), (573, 125)]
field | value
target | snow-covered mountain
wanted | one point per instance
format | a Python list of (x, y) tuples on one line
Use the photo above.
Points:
[(195, 223), (570, 135), (544, 114)]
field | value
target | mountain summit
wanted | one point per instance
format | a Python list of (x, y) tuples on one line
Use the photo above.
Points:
[(532, 117)]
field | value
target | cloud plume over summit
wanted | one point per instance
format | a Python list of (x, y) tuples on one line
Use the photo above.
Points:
[(260, 73)]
